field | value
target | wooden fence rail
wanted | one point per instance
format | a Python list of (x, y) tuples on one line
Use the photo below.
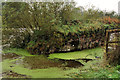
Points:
[(108, 32)]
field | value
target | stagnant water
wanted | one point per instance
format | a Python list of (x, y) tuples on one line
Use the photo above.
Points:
[(36, 62)]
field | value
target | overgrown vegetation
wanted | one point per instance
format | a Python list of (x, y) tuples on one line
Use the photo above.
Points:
[(44, 28), (97, 73), (24, 26)]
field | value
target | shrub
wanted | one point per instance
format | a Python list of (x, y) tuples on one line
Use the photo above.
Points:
[(45, 43), (110, 20), (14, 38)]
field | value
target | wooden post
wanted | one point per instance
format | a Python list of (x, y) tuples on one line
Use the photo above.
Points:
[(107, 39)]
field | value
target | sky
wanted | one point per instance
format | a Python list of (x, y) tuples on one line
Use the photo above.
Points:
[(108, 5)]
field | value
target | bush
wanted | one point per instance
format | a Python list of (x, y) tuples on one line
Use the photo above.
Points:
[(85, 35), (45, 43), (14, 38)]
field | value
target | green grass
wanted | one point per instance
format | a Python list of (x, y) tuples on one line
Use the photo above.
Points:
[(97, 73), (88, 54)]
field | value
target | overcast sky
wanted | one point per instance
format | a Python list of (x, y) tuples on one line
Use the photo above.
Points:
[(108, 5)]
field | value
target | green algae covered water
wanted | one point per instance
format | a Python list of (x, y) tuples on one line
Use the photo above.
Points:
[(23, 65)]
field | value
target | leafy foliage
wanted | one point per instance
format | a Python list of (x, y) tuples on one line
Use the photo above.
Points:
[(48, 27), (99, 72), (110, 20), (46, 43), (14, 38)]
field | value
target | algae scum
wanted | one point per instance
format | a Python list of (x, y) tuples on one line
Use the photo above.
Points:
[(57, 65)]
